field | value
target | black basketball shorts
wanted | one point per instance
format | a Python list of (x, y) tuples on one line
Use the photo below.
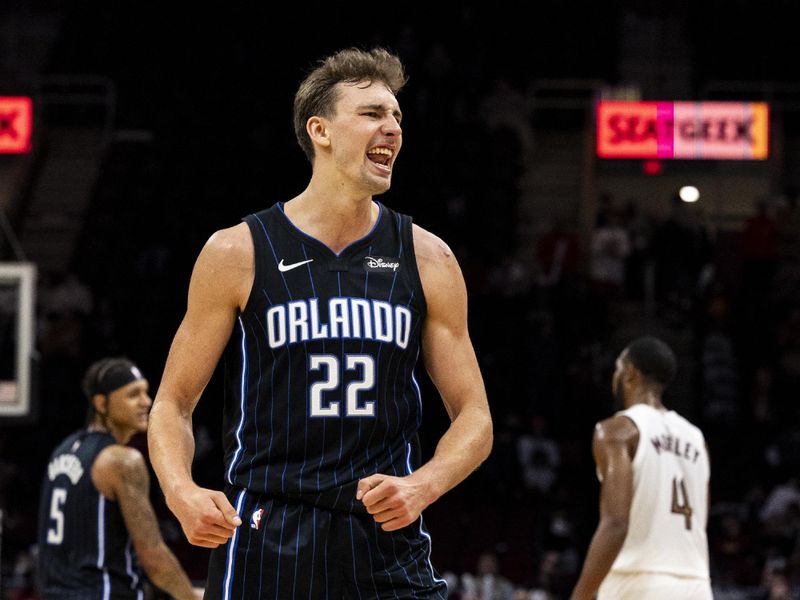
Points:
[(286, 550)]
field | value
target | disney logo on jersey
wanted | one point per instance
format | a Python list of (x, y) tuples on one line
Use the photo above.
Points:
[(381, 263)]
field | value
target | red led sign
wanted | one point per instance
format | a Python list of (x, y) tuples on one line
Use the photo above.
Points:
[(16, 124), (688, 130)]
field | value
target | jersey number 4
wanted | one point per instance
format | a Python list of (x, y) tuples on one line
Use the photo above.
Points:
[(364, 367), (680, 505)]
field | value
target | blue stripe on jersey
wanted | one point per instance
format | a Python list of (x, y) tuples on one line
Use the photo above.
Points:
[(280, 552), (271, 403), (413, 376), (297, 550), (265, 519), (255, 408), (427, 536), (307, 388), (379, 531), (382, 555), (377, 359), (422, 530), (308, 268), (341, 429), (101, 531), (129, 565), (417, 391), (289, 367), (106, 585), (325, 562), (366, 459), (242, 400), (313, 550), (409, 470), (369, 556), (226, 592), (288, 420)]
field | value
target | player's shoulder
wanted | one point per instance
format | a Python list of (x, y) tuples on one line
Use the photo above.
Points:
[(431, 251), (230, 240), (119, 459), (617, 428), (687, 424), (116, 464), (227, 252)]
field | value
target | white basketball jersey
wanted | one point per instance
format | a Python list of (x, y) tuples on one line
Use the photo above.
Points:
[(667, 524)]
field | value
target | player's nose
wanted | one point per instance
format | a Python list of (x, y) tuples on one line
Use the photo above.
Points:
[(391, 126)]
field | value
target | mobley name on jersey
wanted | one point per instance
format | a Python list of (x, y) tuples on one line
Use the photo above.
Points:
[(666, 442)]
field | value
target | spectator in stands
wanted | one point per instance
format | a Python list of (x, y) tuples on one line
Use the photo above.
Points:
[(487, 583), (610, 247), (539, 456)]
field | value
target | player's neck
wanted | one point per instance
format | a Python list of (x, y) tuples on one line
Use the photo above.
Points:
[(646, 397), (337, 222), (121, 435)]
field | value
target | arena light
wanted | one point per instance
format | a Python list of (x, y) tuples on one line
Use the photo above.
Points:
[(689, 193)]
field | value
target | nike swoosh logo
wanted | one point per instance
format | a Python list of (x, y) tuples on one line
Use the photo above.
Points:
[(283, 268)]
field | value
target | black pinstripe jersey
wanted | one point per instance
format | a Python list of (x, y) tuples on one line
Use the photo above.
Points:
[(84, 548), (320, 386)]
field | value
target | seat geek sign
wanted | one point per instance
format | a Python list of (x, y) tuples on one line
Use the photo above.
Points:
[(16, 124), (684, 130)]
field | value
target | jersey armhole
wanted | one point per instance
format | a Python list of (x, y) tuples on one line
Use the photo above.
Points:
[(639, 444), (255, 225), (407, 233)]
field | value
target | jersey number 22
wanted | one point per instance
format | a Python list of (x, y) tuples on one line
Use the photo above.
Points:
[(363, 364)]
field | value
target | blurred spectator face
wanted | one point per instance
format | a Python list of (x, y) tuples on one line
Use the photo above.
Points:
[(487, 564)]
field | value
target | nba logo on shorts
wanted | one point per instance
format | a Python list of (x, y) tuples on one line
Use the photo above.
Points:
[(255, 518)]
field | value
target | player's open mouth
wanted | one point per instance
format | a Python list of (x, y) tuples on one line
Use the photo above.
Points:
[(381, 155)]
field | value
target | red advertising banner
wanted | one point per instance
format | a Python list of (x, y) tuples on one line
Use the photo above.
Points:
[(685, 130), (16, 124)]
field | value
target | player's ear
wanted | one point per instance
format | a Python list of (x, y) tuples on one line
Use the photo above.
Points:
[(100, 403), (631, 375), (317, 129)]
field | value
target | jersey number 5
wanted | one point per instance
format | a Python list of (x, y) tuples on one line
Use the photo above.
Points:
[(55, 535), (364, 364), (681, 506)]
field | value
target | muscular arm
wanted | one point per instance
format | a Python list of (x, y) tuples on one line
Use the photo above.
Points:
[(613, 445), (220, 285), (453, 368), (120, 474)]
